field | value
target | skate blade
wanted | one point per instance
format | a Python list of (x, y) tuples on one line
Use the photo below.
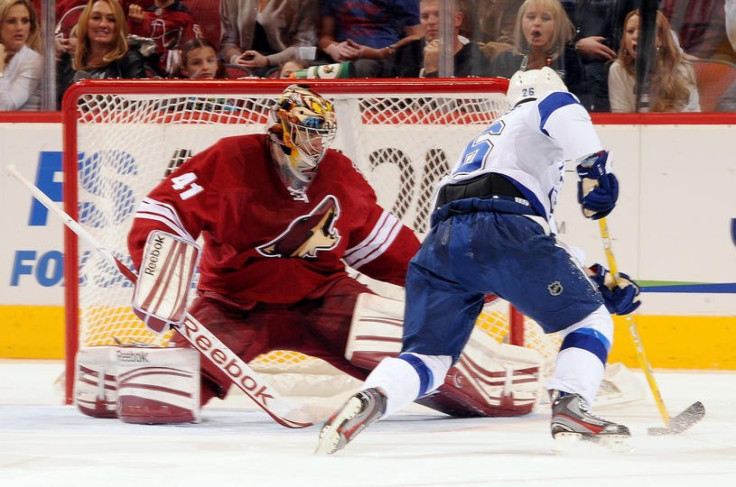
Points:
[(331, 438), (564, 441), (616, 443)]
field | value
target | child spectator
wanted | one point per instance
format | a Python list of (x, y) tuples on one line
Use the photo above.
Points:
[(290, 67), (673, 85), (542, 38), (21, 65), (169, 24), (199, 61)]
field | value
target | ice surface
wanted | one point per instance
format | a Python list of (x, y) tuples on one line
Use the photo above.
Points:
[(44, 443)]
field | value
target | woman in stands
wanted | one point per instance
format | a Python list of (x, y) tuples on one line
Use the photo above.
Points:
[(102, 48), (20, 63), (673, 85)]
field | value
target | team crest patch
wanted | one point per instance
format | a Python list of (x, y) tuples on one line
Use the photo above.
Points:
[(308, 234), (555, 288)]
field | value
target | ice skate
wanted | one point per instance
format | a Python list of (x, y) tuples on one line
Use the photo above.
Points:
[(572, 421), (361, 410)]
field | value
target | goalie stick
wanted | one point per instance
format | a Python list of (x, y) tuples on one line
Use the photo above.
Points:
[(266, 397), (691, 415)]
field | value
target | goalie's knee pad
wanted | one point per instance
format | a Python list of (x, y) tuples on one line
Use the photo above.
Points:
[(139, 385)]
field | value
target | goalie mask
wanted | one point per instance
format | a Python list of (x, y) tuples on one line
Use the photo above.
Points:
[(534, 83), (304, 127)]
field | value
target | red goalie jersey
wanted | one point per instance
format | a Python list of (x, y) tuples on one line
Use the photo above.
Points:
[(264, 243)]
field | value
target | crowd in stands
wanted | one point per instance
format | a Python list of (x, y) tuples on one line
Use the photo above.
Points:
[(592, 44)]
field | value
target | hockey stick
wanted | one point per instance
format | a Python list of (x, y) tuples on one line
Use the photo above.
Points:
[(266, 397), (689, 416)]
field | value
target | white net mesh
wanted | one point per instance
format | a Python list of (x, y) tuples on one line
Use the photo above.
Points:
[(403, 142)]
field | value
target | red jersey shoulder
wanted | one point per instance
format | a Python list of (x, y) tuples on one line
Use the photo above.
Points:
[(342, 169), (229, 161)]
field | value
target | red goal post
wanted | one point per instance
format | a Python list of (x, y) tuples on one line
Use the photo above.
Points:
[(121, 137)]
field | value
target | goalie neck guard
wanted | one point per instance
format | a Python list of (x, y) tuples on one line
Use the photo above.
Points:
[(304, 127), (532, 84)]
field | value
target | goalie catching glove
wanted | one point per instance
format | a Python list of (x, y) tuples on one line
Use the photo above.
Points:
[(597, 185), (620, 293), (165, 277)]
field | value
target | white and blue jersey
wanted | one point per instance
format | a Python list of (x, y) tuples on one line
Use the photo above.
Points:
[(529, 145), (497, 241)]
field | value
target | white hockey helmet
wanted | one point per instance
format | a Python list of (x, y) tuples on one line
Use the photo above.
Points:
[(533, 83)]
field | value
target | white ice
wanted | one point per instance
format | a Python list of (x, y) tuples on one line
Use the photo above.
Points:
[(44, 443)]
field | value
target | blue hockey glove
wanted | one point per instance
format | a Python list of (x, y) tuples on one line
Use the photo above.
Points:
[(620, 299), (597, 186)]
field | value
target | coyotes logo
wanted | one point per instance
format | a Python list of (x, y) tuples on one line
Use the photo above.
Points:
[(307, 234)]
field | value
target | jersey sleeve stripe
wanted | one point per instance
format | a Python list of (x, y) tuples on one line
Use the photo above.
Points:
[(380, 239), (371, 236), (378, 251), (151, 209)]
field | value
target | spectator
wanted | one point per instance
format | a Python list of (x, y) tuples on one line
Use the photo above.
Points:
[(420, 58), (368, 33), (494, 25), (673, 85), (290, 67), (21, 65), (598, 27), (199, 61), (102, 48), (261, 35), (169, 24), (542, 38)]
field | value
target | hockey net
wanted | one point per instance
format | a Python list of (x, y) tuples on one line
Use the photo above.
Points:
[(122, 137)]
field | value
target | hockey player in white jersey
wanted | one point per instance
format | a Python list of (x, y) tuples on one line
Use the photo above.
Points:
[(493, 231)]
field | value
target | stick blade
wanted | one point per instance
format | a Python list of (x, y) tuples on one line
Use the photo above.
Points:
[(682, 421)]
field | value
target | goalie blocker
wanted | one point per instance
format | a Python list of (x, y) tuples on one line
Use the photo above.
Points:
[(165, 278), (138, 384), (489, 379)]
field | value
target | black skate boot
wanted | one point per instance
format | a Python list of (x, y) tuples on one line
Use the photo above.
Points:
[(358, 412), (572, 420)]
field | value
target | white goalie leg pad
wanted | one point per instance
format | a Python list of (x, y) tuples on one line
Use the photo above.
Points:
[(158, 385), (375, 330), (165, 278), (489, 379), (95, 384)]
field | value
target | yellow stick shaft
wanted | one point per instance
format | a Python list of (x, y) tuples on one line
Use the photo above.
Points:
[(644, 363)]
